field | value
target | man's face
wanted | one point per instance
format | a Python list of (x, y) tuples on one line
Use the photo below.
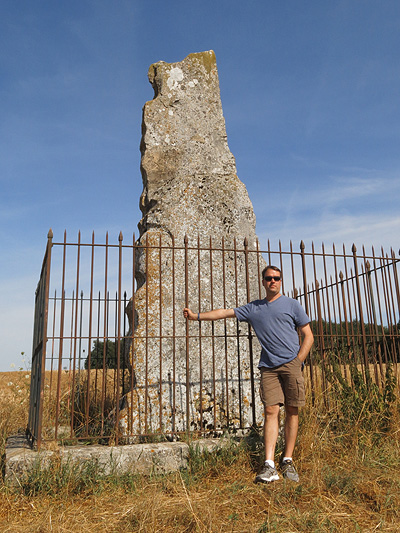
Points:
[(272, 286)]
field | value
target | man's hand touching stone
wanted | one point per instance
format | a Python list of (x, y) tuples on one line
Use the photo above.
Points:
[(187, 313)]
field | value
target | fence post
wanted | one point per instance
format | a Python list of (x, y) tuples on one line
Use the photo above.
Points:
[(120, 239), (173, 337), (61, 345), (187, 333), (146, 385), (238, 337), (160, 326), (200, 331), (307, 309), (396, 278), (213, 335), (89, 356), (360, 313), (250, 335), (371, 292), (322, 341), (346, 323), (303, 265), (73, 399), (375, 333), (396, 282), (131, 352)]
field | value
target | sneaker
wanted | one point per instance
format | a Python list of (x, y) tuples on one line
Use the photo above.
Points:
[(268, 473), (289, 471)]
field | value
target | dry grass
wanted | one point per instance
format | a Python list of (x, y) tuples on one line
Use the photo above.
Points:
[(350, 481), (14, 403)]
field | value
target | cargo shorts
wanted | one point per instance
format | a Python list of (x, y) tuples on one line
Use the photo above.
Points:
[(283, 385)]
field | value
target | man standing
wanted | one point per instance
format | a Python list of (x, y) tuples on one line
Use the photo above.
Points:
[(276, 321)]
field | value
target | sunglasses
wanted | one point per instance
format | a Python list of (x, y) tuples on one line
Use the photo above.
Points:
[(270, 278)]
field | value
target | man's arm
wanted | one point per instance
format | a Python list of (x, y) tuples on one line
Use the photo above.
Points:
[(306, 343), (215, 314)]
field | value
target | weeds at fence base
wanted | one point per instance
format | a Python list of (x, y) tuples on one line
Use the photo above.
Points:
[(362, 403), (69, 477)]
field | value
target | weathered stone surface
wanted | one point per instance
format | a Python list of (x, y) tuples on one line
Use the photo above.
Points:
[(160, 458), (190, 184), (190, 187)]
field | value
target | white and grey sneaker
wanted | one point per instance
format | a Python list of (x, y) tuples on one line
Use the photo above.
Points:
[(268, 473), (289, 471)]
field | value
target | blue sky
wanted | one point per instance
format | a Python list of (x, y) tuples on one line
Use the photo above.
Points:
[(310, 92)]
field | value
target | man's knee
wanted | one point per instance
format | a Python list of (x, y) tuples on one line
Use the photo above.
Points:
[(271, 411), (291, 410)]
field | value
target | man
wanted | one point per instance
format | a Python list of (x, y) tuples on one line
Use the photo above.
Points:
[(276, 321)]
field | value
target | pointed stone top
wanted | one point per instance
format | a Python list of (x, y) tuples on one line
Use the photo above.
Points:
[(190, 184), (175, 78)]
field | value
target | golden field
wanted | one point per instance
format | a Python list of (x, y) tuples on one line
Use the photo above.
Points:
[(348, 460)]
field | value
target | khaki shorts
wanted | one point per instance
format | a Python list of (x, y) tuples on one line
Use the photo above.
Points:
[(283, 385)]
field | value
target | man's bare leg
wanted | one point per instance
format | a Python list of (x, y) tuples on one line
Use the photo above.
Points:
[(271, 430), (291, 429)]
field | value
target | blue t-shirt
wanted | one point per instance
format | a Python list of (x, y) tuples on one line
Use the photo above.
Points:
[(275, 325)]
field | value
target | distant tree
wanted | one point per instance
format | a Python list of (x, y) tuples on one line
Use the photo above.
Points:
[(97, 353)]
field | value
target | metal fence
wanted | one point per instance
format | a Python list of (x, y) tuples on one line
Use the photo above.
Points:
[(113, 358)]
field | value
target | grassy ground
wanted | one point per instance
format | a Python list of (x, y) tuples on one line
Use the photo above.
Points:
[(348, 465)]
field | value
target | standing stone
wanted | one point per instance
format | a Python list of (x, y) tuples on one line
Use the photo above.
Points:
[(190, 188)]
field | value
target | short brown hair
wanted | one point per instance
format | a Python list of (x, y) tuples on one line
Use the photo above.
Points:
[(271, 267)]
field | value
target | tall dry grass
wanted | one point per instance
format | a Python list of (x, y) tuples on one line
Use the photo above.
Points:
[(14, 403), (349, 468)]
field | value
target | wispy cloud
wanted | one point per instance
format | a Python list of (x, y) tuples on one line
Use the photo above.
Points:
[(350, 188), (370, 230), (346, 209)]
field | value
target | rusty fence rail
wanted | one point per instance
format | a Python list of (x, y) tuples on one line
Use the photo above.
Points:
[(114, 360)]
